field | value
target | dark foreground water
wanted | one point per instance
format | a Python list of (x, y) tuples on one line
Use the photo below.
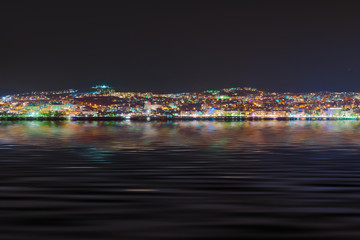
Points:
[(204, 180)]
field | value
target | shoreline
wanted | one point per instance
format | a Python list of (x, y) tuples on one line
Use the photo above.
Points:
[(164, 119)]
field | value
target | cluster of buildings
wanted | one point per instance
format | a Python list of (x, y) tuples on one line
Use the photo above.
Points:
[(104, 101)]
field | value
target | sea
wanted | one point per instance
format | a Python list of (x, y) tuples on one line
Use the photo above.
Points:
[(180, 180)]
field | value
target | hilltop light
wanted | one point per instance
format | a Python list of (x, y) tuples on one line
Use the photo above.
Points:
[(102, 87)]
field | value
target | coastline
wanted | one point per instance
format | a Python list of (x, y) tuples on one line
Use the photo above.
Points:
[(161, 119)]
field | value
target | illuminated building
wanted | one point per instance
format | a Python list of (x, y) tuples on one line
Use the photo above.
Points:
[(104, 90), (229, 102)]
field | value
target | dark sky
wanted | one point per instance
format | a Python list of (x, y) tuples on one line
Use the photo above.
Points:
[(173, 46)]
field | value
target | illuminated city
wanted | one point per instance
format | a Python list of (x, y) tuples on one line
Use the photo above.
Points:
[(157, 120), (104, 102)]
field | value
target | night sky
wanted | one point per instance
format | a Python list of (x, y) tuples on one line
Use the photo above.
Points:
[(175, 46)]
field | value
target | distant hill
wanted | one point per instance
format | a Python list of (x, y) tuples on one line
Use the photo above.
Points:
[(4, 92)]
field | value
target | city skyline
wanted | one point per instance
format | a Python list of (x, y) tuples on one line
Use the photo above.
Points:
[(102, 101)]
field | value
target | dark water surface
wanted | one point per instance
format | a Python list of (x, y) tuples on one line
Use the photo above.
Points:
[(180, 180)]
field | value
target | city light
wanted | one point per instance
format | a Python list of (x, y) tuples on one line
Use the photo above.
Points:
[(229, 103)]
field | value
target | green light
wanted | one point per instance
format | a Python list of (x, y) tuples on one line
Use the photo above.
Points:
[(223, 97), (102, 87)]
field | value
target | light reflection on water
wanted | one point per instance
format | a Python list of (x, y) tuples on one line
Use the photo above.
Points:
[(222, 136), (137, 180)]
